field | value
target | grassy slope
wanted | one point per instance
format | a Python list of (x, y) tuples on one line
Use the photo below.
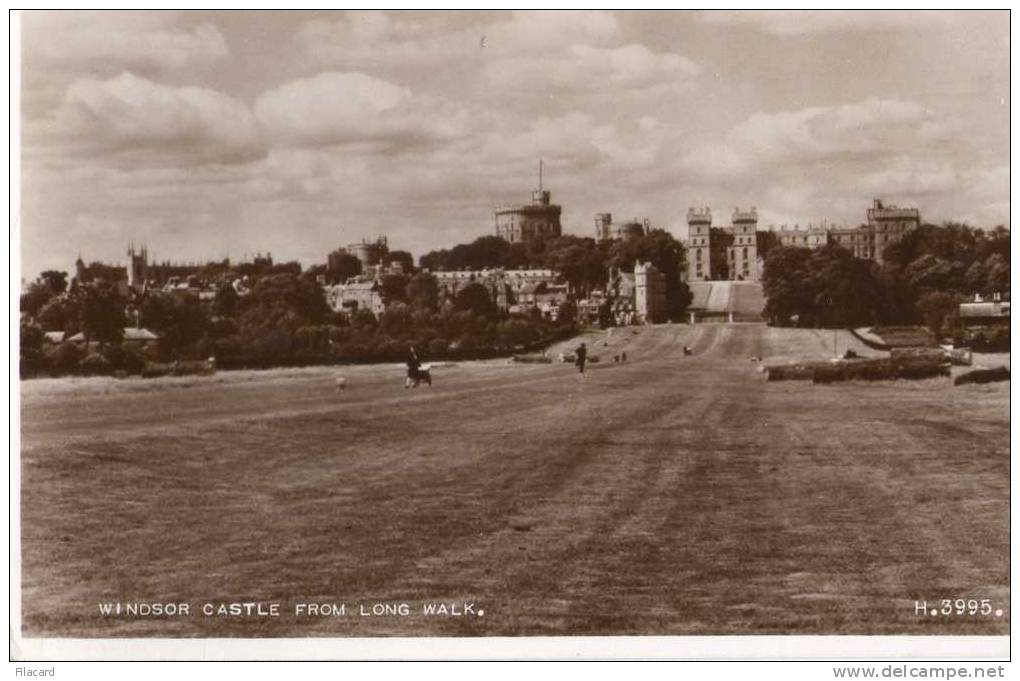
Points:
[(669, 495)]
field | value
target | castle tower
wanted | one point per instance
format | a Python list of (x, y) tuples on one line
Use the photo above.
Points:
[(138, 266), (888, 224), (699, 225), (603, 226), (743, 254), (649, 293), (523, 223)]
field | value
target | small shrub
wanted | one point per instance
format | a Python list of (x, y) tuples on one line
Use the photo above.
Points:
[(983, 376), (66, 359), (94, 365)]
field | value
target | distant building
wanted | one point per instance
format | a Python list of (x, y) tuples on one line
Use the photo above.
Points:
[(649, 294), (369, 252), (505, 286), (887, 224), (140, 339), (606, 229), (741, 256), (699, 244), (524, 223), (143, 273), (982, 314), (355, 296)]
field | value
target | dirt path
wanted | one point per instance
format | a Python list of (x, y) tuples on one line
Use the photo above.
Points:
[(666, 495)]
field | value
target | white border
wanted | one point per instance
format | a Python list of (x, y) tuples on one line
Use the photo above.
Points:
[(787, 648), (722, 648)]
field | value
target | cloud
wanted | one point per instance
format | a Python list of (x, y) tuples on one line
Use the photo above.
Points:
[(820, 162), (870, 127), (354, 108), (150, 123), (530, 52), (382, 38), (581, 68), (807, 22), (117, 41)]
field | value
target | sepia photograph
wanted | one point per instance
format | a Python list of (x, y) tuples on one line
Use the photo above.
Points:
[(659, 334)]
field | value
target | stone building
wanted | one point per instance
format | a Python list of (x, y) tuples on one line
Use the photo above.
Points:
[(606, 229), (505, 286), (741, 256), (649, 294), (523, 223), (887, 224), (699, 245), (355, 296)]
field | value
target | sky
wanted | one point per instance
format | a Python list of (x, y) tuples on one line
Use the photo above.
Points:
[(206, 135)]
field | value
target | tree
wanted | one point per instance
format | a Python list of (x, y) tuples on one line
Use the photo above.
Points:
[(475, 298), (405, 259), (57, 315), (937, 308), (54, 280), (997, 280), (581, 261), (226, 302), (35, 297), (567, 312), (393, 288), (277, 307), (180, 322), (342, 266), (765, 241), (784, 282), (30, 347), (845, 289), (423, 292), (100, 314)]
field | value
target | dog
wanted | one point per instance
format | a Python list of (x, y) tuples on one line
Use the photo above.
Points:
[(420, 375)]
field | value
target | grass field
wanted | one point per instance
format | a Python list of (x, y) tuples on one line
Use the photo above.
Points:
[(667, 495)]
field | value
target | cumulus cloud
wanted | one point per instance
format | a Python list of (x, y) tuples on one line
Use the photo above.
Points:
[(816, 162), (806, 22), (138, 119), (583, 67), (524, 53), (354, 108), (873, 125), (116, 41)]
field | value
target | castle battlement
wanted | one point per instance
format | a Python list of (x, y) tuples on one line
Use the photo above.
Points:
[(699, 215), (745, 215)]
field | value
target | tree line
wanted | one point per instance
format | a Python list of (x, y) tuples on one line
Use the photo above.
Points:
[(922, 280)]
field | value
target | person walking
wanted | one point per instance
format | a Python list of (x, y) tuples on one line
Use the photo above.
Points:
[(413, 364), (582, 357)]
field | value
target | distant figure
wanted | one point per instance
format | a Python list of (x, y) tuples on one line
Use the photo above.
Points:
[(413, 362), (623, 356), (341, 383), (687, 351), (582, 357)]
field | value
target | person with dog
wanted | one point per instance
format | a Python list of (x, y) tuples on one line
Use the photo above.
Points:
[(413, 364)]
